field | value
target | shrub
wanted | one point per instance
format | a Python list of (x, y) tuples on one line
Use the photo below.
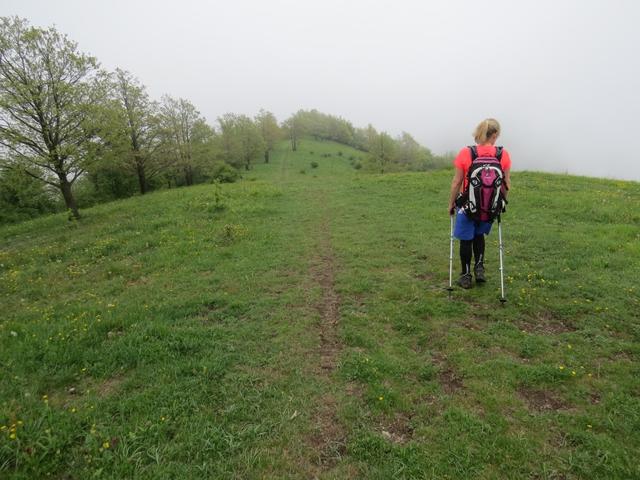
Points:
[(314, 164), (23, 197), (358, 165), (231, 233), (218, 198), (224, 173), (303, 171), (339, 153)]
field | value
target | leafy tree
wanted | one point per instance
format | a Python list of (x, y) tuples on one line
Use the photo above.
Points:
[(240, 139), (47, 91), (410, 155), (204, 150), (270, 131), (319, 126), (138, 119), (293, 128), (179, 120), (381, 148)]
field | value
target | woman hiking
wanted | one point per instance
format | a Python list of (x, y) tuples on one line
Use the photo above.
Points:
[(476, 215)]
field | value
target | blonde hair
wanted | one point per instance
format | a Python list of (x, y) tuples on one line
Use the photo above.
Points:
[(485, 130)]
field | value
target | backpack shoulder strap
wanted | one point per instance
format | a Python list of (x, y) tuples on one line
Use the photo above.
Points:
[(474, 152), (499, 153)]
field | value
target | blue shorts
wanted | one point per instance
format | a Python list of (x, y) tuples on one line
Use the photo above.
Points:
[(467, 229)]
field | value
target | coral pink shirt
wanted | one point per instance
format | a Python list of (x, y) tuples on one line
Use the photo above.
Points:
[(463, 160)]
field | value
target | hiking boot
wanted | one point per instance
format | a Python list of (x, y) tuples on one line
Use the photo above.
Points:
[(478, 271), (465, 280)]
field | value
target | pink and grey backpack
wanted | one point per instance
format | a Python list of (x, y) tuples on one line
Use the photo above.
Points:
[(485, 184)]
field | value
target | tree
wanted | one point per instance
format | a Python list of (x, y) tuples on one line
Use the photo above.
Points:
[(381, 147), (270, 131), (241, 140), (138, 117), (293, 128), (179, 118), (47, 91)]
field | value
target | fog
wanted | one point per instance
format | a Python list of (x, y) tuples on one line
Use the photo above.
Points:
[(561, 76)]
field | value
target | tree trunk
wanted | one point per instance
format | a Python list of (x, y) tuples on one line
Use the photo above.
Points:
[(266, 156), (142, 178), (188, 175), (69, 199)]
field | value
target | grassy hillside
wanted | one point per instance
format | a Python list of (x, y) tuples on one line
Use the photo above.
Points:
[(295, 325)]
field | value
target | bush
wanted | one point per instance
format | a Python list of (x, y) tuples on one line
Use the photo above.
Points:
[(23, 197), (104, 183), (303, 171), (314, 164), (224, 173), (357, 165), (339, 153), (231, 233)]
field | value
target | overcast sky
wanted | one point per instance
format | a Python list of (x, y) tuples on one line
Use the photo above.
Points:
[(562, 76)]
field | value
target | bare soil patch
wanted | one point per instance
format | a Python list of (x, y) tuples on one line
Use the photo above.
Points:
[(542, 400), (399, 430), (109, 386), (328, 440), (426, 277), (547, 323), (72, 394), (449, 378)]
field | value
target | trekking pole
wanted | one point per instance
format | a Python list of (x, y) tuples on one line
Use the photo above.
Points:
[(450, 289), (501, 247)]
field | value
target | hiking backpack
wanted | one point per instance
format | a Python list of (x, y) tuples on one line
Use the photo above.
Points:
[(485, 186)]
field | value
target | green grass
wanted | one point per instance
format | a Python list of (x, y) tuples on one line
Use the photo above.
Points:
[(176, 336)]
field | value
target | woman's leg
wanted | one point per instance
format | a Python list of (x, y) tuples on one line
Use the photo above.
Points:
[(478, 248), (478, 253), (466, 250), (464, 229)]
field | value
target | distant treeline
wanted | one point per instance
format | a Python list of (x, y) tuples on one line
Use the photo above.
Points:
[(73, 135), (386, 154)]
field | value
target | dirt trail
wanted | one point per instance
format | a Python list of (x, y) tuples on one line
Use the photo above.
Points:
[(328, 439), (329, 306)]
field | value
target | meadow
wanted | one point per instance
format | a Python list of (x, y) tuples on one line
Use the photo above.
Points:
[(296, 325)]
